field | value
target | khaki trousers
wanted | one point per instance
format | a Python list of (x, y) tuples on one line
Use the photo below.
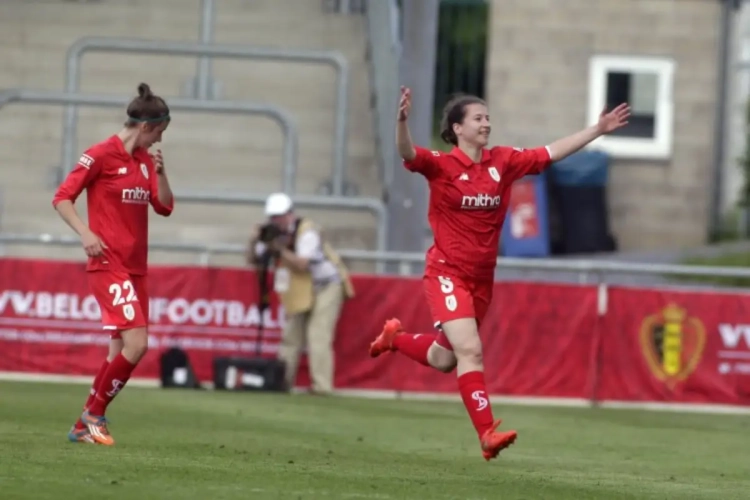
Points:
[(316, 329)]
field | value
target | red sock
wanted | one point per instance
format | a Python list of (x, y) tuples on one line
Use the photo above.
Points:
[(97, 381), (92, 391), (474, 394), (113, 381), (414, 346)]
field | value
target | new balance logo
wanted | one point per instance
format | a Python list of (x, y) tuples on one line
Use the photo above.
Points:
[(481, 398), (123, 170), (480, 202), (136, 195), (463, 177)]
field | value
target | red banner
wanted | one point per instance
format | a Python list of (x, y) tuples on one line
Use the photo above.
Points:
[(540, 340), (50, 322), (675, 346), (524, 351)]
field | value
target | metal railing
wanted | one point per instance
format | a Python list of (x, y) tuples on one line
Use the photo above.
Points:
[(593, 267), (345, 6), (44, 239), (373, 205), (384, 50), (141, 46), (277, 114), (203, 70)]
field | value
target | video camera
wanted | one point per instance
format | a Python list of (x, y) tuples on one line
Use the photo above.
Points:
[(269, 232), (258, 373)]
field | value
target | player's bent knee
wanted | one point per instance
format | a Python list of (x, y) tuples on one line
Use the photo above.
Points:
[(135, 344), (470, 352), (473, 358), (464, 337), (441, 358)]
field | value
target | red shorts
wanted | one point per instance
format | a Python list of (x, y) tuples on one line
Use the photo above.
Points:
[(122, 298), (452, 298)]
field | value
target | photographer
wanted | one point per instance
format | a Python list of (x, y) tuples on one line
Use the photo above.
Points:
[(312, 283)]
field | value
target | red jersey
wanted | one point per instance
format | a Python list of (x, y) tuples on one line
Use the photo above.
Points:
[(119, 188), (468, 202)]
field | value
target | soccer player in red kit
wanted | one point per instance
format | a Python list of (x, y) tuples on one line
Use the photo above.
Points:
[(121, 179), (469, 194)]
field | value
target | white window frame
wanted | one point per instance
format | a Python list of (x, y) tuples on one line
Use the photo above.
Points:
[(659, 147)]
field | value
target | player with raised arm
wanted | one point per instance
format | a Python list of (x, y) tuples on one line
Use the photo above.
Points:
[(469, 193), (121, 179)]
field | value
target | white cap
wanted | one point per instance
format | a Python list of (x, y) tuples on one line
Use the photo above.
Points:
[(278, 204)]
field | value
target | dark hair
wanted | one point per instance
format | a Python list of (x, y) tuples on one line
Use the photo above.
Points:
[(455, 112), (147, 107)]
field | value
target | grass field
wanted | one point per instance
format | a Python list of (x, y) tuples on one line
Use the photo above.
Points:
[(208, 445)]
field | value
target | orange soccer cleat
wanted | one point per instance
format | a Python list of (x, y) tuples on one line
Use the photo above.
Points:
[(384, 341), (97, 426), (493, 442), (80, 435)]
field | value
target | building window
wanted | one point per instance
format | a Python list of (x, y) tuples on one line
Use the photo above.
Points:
[(645, 83)]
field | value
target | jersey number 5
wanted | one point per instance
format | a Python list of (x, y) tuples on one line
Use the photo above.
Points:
[(446, 286), (119, 300)]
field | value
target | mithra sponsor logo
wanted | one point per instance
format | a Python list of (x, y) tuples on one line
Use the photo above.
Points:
[(136, 195), (480, 202)]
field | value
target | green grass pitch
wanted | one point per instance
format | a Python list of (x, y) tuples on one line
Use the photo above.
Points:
[(178, 444)]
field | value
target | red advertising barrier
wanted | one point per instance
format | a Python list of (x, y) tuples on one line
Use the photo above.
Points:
[(49, 321), (540, 340), (674, 346), (526, 349)]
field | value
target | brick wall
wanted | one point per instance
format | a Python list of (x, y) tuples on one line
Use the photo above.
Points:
[(537, 92)]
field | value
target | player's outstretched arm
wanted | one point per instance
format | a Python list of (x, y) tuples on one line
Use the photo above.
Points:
[(404, 143), (608, 122), (416, 159)]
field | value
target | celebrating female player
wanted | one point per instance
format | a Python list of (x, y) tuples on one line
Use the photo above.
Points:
[(121, 179), (469, 193)]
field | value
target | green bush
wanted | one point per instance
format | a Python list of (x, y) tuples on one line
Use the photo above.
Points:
[(741, 260), (744, 164)]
